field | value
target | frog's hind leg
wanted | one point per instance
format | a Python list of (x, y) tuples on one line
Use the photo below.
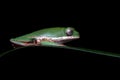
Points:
[(18, 44)]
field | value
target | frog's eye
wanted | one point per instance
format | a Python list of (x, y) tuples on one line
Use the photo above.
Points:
[(69, 31)]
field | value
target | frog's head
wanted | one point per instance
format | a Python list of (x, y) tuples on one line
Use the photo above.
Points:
[(69, 34), (61, 34)]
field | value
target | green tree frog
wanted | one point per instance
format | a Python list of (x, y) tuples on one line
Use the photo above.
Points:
[(50, 36), (54, 37)]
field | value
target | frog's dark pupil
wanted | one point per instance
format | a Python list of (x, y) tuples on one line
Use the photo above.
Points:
[(69, 32)]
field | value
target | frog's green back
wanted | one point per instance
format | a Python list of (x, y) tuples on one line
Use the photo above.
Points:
[(48, 32)]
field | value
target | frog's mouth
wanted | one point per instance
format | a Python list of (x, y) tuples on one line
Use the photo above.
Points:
[(64, 39)]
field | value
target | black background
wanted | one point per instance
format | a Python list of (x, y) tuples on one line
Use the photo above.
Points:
[(98, 27)]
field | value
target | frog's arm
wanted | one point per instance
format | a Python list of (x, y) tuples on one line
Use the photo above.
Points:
[(47, 43)]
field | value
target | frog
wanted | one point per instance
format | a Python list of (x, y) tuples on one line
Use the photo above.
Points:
[(55, 36)]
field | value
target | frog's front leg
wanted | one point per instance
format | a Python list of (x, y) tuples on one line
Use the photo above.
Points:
[(49, 43)]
